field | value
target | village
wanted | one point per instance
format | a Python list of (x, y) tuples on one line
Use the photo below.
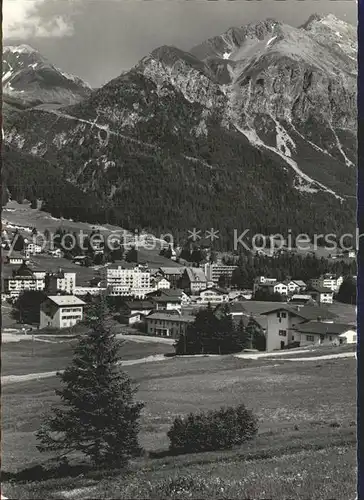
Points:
[(163, 300)]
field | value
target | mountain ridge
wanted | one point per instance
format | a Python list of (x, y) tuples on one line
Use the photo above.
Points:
[(171, 118), (31, 79)]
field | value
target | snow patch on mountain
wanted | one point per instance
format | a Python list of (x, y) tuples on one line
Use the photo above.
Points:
[(74, 79), (19, 49), (271, 40), (300, 185), (348, 162), (7, 75), (284, 141), (306, 181), (198, 160)]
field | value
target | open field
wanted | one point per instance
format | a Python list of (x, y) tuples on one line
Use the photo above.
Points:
[(27, 356), (305, 447), (22, 215), (346, 313)]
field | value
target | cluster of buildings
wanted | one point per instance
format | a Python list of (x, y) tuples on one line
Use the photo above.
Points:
[(286, 324), (26, 279), (321, 290), (128, 279), (165, 300)]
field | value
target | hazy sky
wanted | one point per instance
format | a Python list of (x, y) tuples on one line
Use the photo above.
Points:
[(97, 39)]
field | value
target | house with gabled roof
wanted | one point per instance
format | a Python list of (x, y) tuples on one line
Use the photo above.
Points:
[(282, 322), (134, 311), (172, 274), (212, 295), (302, 299), (301, 285), (168, 324), (321, 295), (61, 311), (194, 280), (320, 332), (168, 300)]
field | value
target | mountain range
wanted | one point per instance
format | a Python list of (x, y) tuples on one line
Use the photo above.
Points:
[(29, 80), (252, 129)]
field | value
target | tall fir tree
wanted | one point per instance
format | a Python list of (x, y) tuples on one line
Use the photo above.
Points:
[(254, 335), (225, 332), (240, 337), (98, 415)]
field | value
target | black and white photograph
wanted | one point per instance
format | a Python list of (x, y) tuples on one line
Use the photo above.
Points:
[(180, 227)]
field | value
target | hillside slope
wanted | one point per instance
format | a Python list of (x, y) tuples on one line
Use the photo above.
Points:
[(255, 129)]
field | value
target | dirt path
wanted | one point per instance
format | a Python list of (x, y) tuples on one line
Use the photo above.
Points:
[(145, 339), (11, 379), (326, 356), (259, 355)]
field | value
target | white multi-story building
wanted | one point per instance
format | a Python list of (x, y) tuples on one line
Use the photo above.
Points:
[(328, 281), (213, 272), (24, 279), (60, 282), (125, 280), (61, 311), (32, 249)]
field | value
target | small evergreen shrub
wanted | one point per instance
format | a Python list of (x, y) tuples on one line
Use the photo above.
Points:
[(212, 430)]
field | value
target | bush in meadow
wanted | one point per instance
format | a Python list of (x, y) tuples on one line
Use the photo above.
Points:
[(212, 430)]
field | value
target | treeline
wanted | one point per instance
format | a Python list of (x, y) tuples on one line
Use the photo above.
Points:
[(215, 332), (32, 178)]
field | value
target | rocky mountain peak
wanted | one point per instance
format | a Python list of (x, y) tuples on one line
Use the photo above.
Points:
[(29, 78), (20, 49)]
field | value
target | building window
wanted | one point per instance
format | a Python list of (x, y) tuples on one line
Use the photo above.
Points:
[(284, 315), (282, 333), (310, 338)]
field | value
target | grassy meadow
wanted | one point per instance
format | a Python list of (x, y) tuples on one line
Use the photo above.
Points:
[(306, 446)]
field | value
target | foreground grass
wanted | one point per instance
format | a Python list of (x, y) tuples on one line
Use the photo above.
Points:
[(301, 467), (26, 356), (305, 448)]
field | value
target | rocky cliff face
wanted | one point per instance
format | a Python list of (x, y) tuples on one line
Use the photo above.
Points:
[(30, 79), (263, 114)]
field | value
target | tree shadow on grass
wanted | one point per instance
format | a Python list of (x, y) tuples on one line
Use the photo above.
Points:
[(43, 472)]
